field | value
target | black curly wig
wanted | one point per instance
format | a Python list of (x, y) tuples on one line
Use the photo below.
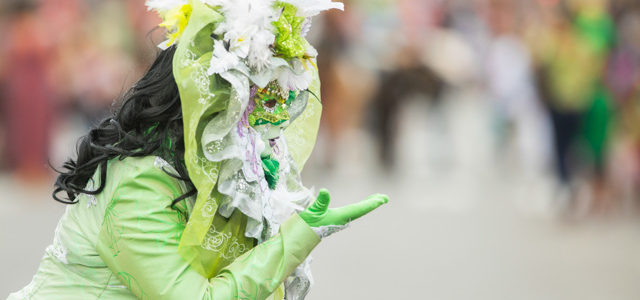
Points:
[(148, 122)]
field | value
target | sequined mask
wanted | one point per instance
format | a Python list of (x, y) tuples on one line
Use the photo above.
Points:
[(271, 106)]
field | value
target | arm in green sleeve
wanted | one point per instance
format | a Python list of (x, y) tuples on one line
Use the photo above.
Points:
[(257, 273), (139, 239)]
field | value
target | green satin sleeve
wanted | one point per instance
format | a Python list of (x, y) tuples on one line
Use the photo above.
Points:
[(259, 272), (139, 240)]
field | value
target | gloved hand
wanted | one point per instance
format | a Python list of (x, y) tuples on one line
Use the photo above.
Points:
[(325, 221)]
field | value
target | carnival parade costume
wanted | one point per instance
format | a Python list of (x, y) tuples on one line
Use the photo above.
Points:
[(249, 93)]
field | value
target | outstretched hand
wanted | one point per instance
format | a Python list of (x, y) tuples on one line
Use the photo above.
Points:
[(320, 215)]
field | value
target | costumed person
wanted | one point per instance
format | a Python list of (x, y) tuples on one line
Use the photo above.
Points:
[(571, 63), (192, 190)]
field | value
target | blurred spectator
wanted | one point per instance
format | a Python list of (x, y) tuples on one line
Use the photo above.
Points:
[(510, 79), (28, 98), (572, 54), (623, 80), (65, 60)]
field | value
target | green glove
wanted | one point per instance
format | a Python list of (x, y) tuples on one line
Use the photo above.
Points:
[(325, 221)]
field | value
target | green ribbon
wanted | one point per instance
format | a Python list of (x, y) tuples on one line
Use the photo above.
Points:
[(271, 168)]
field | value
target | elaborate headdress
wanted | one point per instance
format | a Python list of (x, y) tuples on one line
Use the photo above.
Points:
[(248, 82)]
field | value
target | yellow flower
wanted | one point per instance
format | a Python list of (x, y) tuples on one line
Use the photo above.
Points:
[(176, 20)]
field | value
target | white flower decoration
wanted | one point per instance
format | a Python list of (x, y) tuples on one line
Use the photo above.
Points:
[(222, 60), (240, 40), (295, 77), (260, 54), (244, 40), (310, 51)]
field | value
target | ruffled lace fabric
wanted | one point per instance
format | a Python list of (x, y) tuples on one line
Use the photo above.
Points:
[(241, 180), (297, 285)]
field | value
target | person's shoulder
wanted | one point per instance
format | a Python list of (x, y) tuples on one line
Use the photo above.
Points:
[(133, 165), (146, 172)]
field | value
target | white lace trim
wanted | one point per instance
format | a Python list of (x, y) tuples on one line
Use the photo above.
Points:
[(92, 201), (27, 291), (297, 285), (325, 231), (57, 249), (242, 181), (163, 164)]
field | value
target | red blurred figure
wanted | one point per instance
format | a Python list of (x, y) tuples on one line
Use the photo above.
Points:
[(28, 106)]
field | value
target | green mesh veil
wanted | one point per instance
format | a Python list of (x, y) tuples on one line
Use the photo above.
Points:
[(212, 107)]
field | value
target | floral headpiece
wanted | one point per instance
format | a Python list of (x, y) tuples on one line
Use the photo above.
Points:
[(244, 71), (252, 34)]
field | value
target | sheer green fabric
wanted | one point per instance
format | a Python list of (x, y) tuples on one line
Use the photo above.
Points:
[(301, 134), (202, 97), (211, 107)]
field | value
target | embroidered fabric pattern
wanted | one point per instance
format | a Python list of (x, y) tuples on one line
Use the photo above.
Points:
[(224, 243)]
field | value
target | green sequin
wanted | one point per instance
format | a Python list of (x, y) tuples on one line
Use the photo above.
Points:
[(270, 107), (289, 41)]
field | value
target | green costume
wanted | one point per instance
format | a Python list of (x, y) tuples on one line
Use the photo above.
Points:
[(122, 244), (249, 126)]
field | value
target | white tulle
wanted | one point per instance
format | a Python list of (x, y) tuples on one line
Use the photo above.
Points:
[(164, 5)]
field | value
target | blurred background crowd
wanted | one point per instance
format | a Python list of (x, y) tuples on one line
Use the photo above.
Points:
[(441, 102), (559, 79)]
